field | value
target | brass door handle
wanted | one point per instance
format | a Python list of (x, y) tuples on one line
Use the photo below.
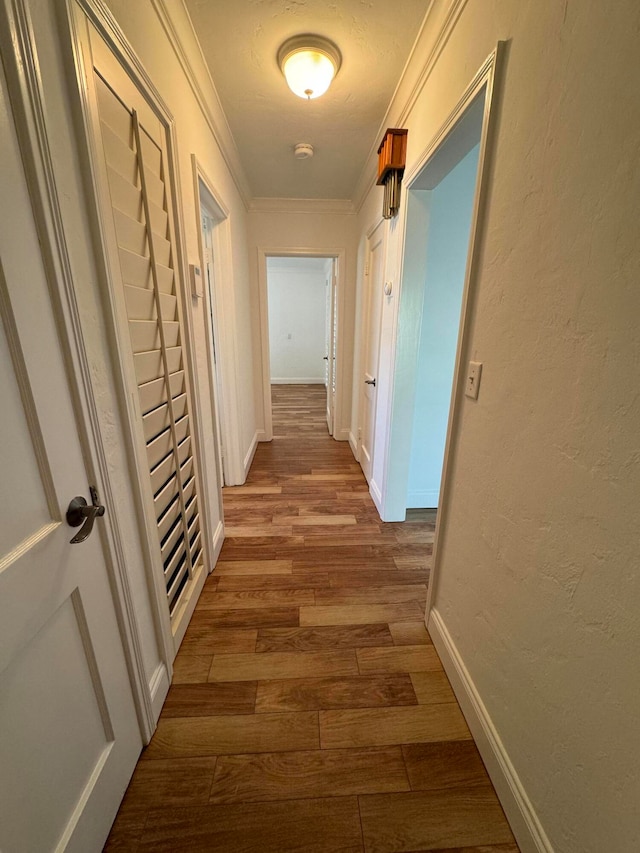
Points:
[(80, 511)]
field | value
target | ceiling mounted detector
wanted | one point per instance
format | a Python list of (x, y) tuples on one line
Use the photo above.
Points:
[(303, 151)]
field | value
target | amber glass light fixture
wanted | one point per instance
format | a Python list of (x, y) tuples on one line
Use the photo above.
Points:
[(309, 64)]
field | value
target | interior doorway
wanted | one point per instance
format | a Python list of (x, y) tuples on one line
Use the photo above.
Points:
[(441, 203), (301, 326)]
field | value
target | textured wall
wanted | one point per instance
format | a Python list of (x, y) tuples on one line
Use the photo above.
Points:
[(538, 580)]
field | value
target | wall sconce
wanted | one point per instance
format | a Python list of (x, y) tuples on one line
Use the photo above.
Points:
[(309, 64)]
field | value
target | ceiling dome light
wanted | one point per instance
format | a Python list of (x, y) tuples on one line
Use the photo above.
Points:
[(309, 64)]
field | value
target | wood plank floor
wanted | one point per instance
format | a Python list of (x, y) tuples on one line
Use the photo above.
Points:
[(309, 710)]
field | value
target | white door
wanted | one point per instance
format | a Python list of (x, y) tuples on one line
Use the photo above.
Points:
[(69, 736), (207, 246), (373, 317), (330, 357)]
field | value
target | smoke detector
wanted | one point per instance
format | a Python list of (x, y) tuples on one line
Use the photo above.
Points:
[(303, 151)]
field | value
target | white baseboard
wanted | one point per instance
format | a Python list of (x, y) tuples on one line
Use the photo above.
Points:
[(522, 817), (341, 435), (353, 444), (262, 435), (419, 498), (298, 380), (216, 544), (376, 495), (248, 459), (158, 689)]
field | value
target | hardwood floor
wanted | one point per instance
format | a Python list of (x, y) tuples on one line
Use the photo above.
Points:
[(309, 710)]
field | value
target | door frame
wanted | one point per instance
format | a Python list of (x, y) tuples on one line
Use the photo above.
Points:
[(297, 252), (27, 103), (222, 303)]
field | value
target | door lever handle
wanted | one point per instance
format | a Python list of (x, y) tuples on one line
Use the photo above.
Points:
[(80, 511), (370, 382)]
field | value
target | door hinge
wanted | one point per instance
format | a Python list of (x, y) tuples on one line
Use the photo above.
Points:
[(366, 269), (359, 433)]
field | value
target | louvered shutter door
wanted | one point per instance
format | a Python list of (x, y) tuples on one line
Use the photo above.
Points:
[(136, 171)]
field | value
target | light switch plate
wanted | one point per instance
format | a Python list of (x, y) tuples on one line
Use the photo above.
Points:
[(195, 274), (472, 385)]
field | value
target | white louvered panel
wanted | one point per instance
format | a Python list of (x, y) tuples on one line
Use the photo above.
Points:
[(124, 195), (184, 449), (119, 156), (152, 395), (176, 384), (141, 304), (195, 548), (155, 188), (188, 489), (159, 448), (166, 522), (113, 112), (146, 336), (179, 406), (165, 496), (135, 269), (148, 365), (152, 155), (131, 234), (161, 473), (176, 586), (186, 470), (182, 427), (165, 279), (155, 422), (159, 219), (171, 541), (174, 561), (162, 249), (194, 525)]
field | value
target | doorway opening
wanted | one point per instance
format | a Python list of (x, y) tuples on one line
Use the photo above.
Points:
[(300, 327), (441, 204)]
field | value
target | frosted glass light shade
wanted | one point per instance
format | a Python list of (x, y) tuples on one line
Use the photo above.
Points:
[(309, 64)]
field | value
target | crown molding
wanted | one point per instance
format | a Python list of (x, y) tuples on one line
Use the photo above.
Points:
[(209, 102), (339, 206), (407, 92)]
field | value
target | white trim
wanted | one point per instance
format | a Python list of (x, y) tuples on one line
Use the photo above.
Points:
[(353, 444), (342, 434), (298, 380), (158, 688), (31, 126), (251, 452), (337, 206), (217, 543), (423, 498), (397, 116), (376, 495), (213, 113), (295, 252), (519, 809), (224, 306)]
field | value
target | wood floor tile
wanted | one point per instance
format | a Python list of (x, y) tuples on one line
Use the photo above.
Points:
[(249, 599), (399, 659), (300, 775), (171, 782), (422, 561), (373, 595), (386, 726), (204, 700), (280, 665), (253, 567), (410, 633), (261, 617), (311, 580), (323, 637), (250, 490), (201, 640), (307, 694), (432, 819), (326, 825), (432, 688), (314, 520), (452, 764), (359, 614), (189, 669), (199, 736), (372, 577)]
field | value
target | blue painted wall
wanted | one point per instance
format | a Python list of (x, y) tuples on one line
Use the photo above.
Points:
[(450, 211)]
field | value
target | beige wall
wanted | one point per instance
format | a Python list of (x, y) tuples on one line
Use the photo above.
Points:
[(537, 582)]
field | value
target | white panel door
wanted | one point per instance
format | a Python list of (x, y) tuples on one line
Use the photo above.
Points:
[(331, 327), (373, 317), (69, 736)]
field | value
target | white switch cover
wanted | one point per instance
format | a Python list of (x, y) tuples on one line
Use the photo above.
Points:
[(472, 386)]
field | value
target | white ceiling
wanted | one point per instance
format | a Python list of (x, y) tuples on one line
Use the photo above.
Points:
[(240, 40)]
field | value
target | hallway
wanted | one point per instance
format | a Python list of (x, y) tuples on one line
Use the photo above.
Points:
[(309, 710)]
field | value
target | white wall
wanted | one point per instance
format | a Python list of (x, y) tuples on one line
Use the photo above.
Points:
[(537, 593), (450, 209), (297, 319), (279, 225)]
